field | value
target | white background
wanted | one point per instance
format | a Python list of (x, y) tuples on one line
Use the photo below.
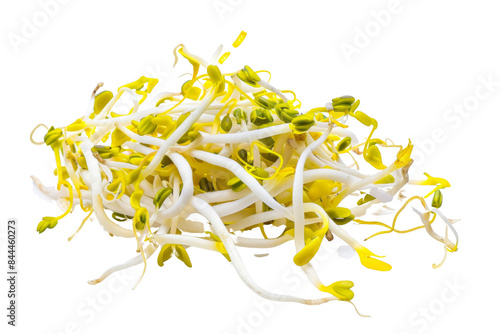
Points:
[(423, 59)]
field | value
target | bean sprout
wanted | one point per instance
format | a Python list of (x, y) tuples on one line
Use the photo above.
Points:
[(236, 150)]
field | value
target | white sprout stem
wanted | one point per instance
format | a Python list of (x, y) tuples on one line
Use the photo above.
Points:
[(298, 181), (178, 133), (338, 166), (90, 107), (206, 210), (104, 113), (402, 174), (216, 54), (50, 192)]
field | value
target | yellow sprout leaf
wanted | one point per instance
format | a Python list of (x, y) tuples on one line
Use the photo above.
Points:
[(374, 158), (77, 125), (344, 144), (366, 259), (341, 289), (338, 212), (375, 264), (363, 118), (239, 39), (333, 137), (64, 172), (163, 120), (215, 74), (307, 253)]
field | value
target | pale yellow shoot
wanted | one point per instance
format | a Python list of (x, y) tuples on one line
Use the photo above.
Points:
[(77, 125), (404, 156), (374, 158)]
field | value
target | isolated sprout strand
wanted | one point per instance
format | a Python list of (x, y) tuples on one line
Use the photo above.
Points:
[(243, 154)]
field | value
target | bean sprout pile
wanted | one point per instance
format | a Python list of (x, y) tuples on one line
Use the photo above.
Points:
[(241, 153)]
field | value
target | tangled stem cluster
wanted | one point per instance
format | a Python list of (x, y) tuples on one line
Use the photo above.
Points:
[(241, 153)]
